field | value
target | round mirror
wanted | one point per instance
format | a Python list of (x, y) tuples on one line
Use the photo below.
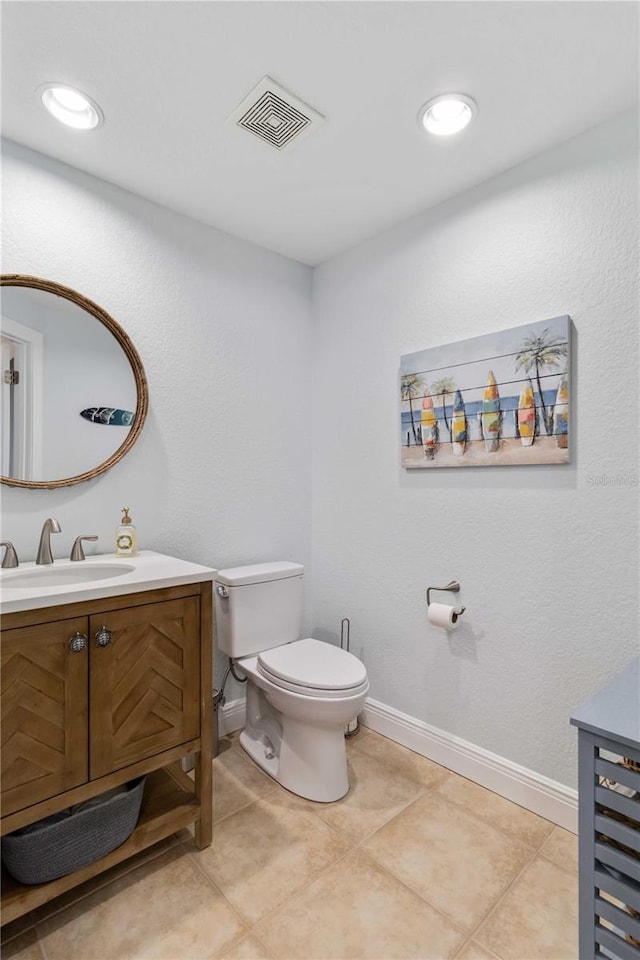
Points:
[(74, 393)]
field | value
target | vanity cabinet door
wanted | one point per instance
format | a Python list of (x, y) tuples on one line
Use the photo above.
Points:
[(144, 682), (44, 711)]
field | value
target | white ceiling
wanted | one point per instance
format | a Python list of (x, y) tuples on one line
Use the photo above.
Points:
[(167, 75)]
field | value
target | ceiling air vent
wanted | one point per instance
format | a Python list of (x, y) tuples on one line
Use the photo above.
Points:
[(274, 115)]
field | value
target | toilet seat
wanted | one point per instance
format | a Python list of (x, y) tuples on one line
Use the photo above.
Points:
[(313, 668)]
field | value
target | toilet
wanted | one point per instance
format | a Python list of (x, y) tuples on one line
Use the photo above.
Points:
[(301, 693)]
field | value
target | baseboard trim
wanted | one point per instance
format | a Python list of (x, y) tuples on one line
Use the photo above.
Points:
[(231, 716), (529, 789)]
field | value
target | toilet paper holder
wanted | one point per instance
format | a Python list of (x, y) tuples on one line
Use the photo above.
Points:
[(453, 587)]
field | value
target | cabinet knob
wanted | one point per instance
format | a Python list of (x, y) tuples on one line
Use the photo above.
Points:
[(77, 643), (103, 637)]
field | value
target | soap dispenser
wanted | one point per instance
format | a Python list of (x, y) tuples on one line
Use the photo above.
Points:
[(126, 536)]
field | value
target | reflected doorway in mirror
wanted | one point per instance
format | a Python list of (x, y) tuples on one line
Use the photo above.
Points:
[(22, 401)]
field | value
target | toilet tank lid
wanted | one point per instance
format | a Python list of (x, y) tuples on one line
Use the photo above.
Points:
[(259, 573)]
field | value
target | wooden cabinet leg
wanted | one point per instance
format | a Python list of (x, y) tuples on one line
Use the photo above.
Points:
[(204, 826), (203, 777)]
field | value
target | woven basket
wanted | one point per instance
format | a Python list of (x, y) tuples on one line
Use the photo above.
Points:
[(66, 842)]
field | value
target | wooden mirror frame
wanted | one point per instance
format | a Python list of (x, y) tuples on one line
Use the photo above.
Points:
[(142, 390)]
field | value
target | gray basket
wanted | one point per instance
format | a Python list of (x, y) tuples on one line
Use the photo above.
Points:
[(67, 841)]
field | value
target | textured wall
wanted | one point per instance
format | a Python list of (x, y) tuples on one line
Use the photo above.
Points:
[(221, 472), (537, 549)]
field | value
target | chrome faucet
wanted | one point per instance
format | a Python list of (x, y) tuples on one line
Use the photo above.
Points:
[(50, 526), (10, 558)]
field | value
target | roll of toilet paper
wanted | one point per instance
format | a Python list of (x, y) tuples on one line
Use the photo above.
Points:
[(442, 615)]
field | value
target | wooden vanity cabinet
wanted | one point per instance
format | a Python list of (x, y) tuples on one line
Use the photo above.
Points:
[(44, 713), (95, 694), (144, 684)]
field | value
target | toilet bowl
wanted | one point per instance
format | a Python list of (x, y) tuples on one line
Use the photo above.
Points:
[(295, 728), (301, 693)]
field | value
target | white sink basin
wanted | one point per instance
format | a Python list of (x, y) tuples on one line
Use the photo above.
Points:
[(52, 576), (104, 575)]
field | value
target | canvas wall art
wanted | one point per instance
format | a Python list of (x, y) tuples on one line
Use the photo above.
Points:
[(498, 399)]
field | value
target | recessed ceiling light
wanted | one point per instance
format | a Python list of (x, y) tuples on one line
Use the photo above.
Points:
[(70, 106), (447, 114)]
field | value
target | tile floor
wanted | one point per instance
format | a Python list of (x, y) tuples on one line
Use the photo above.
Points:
[(414, 862)]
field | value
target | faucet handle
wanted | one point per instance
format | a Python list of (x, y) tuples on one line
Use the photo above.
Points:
[(10, 558), (77, 553)]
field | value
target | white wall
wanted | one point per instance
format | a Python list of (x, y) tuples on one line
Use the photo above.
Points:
[(538, 550), (221, 472)]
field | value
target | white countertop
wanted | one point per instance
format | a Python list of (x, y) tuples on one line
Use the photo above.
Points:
[(150, 571)]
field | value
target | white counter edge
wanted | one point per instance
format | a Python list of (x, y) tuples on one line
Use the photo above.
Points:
[(154, 571)]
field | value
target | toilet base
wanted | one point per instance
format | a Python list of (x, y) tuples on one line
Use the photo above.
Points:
[(260, 751), (317, 772), (304, 752)]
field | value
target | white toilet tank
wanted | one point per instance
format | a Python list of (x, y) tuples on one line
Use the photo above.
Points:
[(262, 607)]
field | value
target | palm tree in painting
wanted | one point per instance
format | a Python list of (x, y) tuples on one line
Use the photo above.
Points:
[(444, 389), (536, 353), (412, 386)]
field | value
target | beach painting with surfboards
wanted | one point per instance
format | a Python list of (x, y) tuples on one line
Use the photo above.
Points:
[(495, 400)]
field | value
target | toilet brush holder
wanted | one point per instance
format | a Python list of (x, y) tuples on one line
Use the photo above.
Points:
[(352, 728), (345, 638)]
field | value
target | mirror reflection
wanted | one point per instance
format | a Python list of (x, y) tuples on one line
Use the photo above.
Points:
[(68, 394)]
